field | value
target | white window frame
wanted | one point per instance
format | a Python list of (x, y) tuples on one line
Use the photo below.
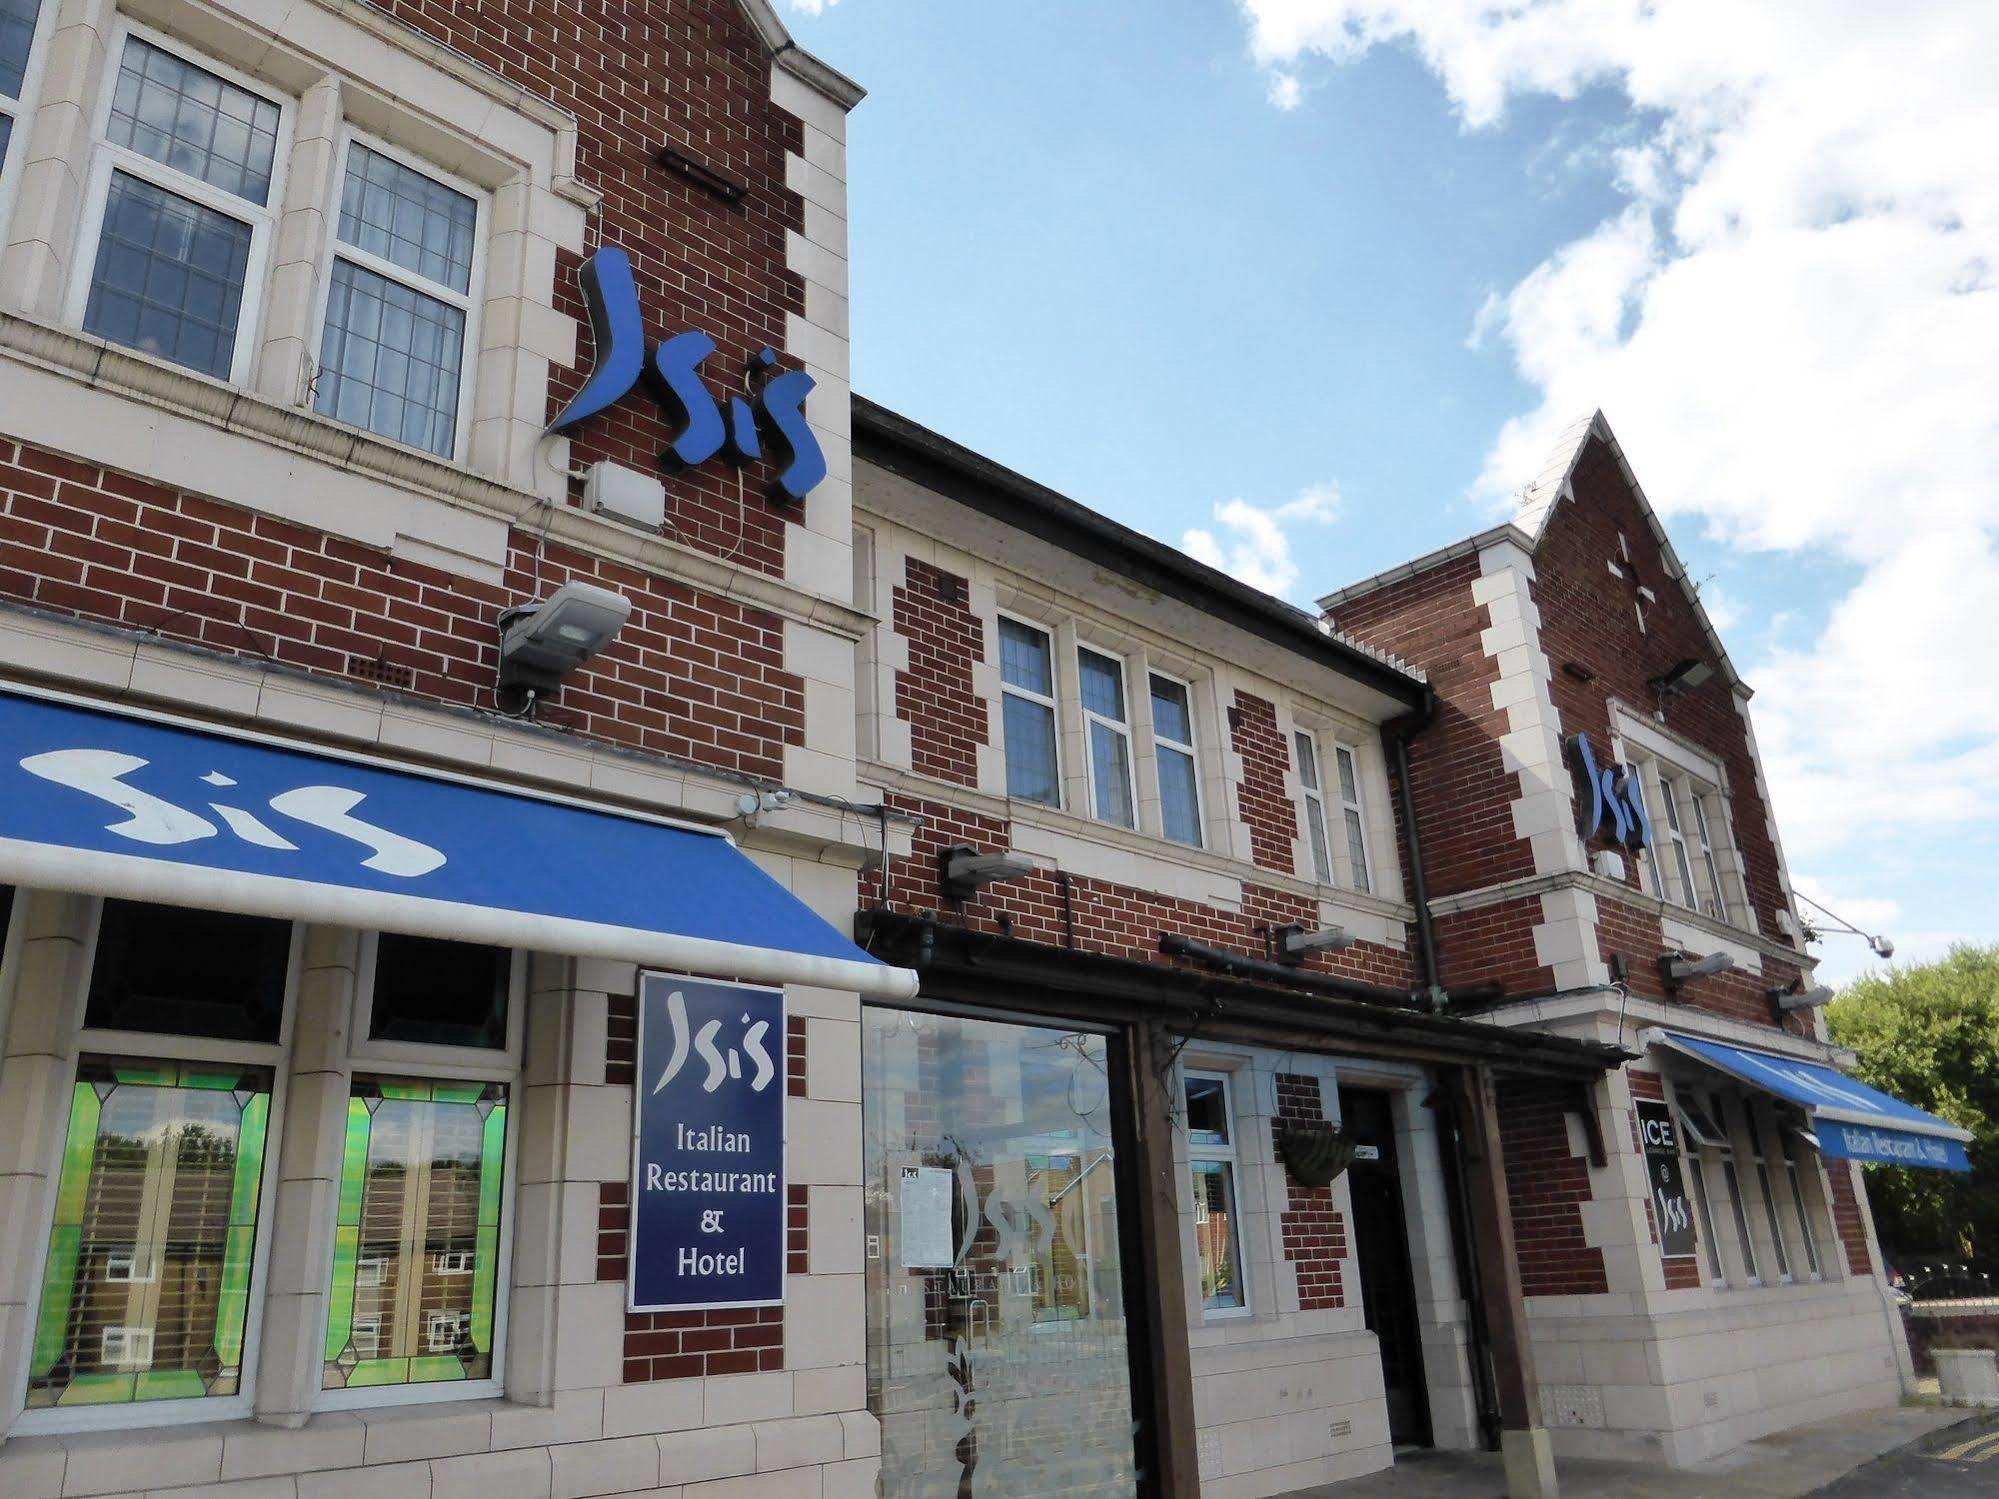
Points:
[(133, 1415), (1185, 747), (1052, 701), (1738, 1201), (1312, 809), (470, 302), (1362, 879), (1753, 1124), (21, 110), (1794, 1170), (1229, 1157), (427, 1063), (261, 219), (1695, 1143), (1091, 719), (135, 1273)]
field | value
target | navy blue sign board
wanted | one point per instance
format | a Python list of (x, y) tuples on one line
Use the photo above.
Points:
[(708, 1206), (1659, 1132)]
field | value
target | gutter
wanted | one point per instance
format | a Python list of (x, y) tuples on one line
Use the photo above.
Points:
[(1395, 737)]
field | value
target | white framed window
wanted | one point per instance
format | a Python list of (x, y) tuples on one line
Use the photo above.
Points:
[(23, 26), (1027, 711), (1689, 821), (180, 207), (1107, 729), (1779, 1249), (1312, 786), (160, 1226), (401, 290), (1737, 1201), (1794, 1172), (1363, 879), (1212, 1162), (1178, 764), (417, 1303), (1700, 1134)]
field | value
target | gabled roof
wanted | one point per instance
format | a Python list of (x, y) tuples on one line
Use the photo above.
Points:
[(1529, 528), (794, 59)]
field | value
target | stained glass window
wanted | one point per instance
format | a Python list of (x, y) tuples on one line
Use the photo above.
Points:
[(416, 1246), (147, 1289)]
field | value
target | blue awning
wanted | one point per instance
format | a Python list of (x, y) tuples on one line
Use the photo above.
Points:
[(106, 803), (1853, 1121)]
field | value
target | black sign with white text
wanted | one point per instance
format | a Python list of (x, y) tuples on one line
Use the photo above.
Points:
[(1659, 1132)]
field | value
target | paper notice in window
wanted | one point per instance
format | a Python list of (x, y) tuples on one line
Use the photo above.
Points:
[(925, 1230)]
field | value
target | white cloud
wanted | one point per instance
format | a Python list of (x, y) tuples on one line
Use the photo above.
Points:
[(1791, 325), (812, 7), (1286, 92), (1257, 547)]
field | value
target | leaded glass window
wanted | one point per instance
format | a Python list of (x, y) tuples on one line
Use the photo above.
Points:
[(17, 41), (1173, 751), (186, 197), (1102, 680), (393, 355), (147, 1290), (416, 1246), (1027, 707)]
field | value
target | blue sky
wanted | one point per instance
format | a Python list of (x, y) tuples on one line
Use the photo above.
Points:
[(1351, 263)]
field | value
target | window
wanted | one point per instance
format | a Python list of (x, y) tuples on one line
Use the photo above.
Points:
[(1778, 1247), (184, 193), (399, 301), (1701, 1135), (169, 971), (418, 1248), (1737, 1202), (1173, 750), (1102, 682), (1795, 1173), (1689, 828), (1315, 807), (1350, 803), (18, 21), (1711, 898), (1027, 705), (146, 1294), (1212, 1159)]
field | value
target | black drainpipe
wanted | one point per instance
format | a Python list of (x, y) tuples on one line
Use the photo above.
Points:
[(1396, 734)]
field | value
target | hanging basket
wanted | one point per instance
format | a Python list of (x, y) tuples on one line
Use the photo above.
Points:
[(1313, 1151)]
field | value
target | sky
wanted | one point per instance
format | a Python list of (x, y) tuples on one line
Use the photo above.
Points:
[(1308, 287)]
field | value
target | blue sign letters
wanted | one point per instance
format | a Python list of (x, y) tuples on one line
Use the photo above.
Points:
[(673, 371), (1613, 807), (708, 1207)]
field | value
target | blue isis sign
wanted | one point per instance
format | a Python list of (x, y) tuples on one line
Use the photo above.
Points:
[(1611, 802), (771, 408), (708, 1209)]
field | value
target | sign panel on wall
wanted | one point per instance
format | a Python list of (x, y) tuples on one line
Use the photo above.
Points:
[(708, 1202), (1659, 1131)]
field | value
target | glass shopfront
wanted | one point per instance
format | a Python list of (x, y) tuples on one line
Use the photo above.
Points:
[(998, 1356)]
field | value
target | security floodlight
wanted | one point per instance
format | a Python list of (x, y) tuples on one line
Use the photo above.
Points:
[(962, 870), (1883, 947), (1789, 998), (1295, 944), (1830, 921), (1677, 968), (542, 643), (1685, 676)]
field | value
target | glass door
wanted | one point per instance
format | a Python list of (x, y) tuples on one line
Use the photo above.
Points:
[(998, 1359)]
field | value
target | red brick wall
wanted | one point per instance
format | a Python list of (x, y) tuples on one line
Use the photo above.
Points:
[(692, 75), (1314, 1234), (934, 696), (688, 1345), (1493, 944), (1847, 1220), (1545, 1188), (692, 675), (1111, 919), (1271, 815)]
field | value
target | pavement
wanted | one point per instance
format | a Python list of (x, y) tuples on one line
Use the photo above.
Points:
[(1911, 1452)]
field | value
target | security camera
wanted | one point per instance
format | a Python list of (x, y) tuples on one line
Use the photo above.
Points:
[(542, 643), (1676, 968), (1296, 944)]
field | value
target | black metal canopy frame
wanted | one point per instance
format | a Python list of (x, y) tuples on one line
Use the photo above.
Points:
[(1243, 1003)]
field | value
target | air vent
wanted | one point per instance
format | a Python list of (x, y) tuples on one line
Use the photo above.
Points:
[(383, 673)]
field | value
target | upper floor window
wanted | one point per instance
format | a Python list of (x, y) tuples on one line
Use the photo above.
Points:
[(1211, 1153), (1027, 704), (1106, 723), (399, 303), (1317, 794), (1686, 870), (1173, 751), (18, 20), (182, 198)]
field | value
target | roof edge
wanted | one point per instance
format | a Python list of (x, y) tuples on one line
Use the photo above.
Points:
[(982, 484), (807, 68)]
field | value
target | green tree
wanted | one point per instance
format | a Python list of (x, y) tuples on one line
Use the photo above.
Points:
[(1929, 1033)]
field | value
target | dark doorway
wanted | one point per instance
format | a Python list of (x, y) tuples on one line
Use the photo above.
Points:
[(1387, 1281)]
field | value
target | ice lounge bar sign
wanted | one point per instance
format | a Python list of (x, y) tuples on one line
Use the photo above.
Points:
[(708, 1216)]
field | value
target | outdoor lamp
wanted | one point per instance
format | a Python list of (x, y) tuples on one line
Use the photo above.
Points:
[(542, 643), (962, 870), (1678, 969)]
